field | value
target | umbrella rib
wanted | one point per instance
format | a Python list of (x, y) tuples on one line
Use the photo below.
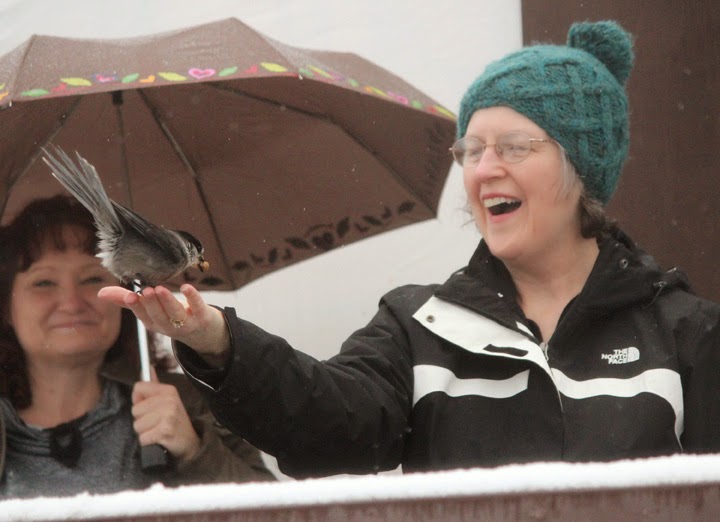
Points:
[(117, 101), (37, 153), (399, 179), (14, 79), (193, 174)]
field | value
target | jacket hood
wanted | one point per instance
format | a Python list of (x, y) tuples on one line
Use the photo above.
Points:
[(625, 275)]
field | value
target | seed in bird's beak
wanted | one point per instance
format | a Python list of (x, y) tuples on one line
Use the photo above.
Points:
[(204, 266)]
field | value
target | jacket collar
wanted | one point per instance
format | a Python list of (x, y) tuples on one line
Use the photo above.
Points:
[(623, 275)]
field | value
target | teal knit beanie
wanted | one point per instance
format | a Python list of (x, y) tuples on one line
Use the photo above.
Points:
[(575, 92)]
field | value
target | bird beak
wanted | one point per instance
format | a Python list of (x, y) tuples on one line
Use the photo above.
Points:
[(203, 265)]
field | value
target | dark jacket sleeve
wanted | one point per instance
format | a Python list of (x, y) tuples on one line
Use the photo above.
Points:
[(3, 447), (345, 415), (222, 456), (698, 338)]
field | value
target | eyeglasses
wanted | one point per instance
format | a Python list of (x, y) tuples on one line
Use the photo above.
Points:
[(512, 147)]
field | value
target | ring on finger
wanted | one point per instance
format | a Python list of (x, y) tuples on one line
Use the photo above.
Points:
[(178, 323)]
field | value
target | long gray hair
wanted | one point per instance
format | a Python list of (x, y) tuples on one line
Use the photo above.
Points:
[(593, 220)]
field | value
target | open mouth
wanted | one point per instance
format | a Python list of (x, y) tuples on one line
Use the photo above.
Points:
[(500, 206)]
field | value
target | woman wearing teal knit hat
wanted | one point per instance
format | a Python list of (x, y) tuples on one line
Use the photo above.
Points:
[(560, 340)]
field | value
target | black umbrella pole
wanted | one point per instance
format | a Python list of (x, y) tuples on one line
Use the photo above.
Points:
[(154, 458)]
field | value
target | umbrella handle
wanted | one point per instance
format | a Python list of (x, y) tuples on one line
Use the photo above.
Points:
[(154, 458)]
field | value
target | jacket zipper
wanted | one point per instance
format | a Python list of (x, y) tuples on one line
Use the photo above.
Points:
[(544, 347)]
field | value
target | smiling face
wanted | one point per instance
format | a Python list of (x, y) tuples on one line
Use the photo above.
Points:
[(523, 210), (55, 311)]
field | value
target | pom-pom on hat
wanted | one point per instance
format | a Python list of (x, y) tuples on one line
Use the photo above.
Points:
[(575, 92)]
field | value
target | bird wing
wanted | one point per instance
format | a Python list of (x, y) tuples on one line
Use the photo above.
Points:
[(84, 183), (161, 237)]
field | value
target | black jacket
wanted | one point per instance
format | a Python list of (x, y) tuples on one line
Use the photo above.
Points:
[(452, 375)]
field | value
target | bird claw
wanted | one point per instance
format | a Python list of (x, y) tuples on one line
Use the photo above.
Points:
[(136, 284)]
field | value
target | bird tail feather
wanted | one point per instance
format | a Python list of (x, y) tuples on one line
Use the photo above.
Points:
[(84, 183)]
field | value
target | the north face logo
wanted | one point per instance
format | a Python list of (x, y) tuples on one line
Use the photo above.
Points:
[(622, 355)]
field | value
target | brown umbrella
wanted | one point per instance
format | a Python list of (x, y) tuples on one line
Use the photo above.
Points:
[(269, 154)]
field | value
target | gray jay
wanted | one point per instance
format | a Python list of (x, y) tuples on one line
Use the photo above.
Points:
[(131, 248)]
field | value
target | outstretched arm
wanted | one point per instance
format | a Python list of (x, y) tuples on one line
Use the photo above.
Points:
[(193, 323), (346, 415)]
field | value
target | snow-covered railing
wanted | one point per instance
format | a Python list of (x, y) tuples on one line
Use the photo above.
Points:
[(682, 487)]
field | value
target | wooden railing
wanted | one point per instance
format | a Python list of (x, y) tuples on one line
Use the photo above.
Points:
[(684, 488)]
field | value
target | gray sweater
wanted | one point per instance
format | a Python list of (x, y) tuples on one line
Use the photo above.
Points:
[(108, 460)]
